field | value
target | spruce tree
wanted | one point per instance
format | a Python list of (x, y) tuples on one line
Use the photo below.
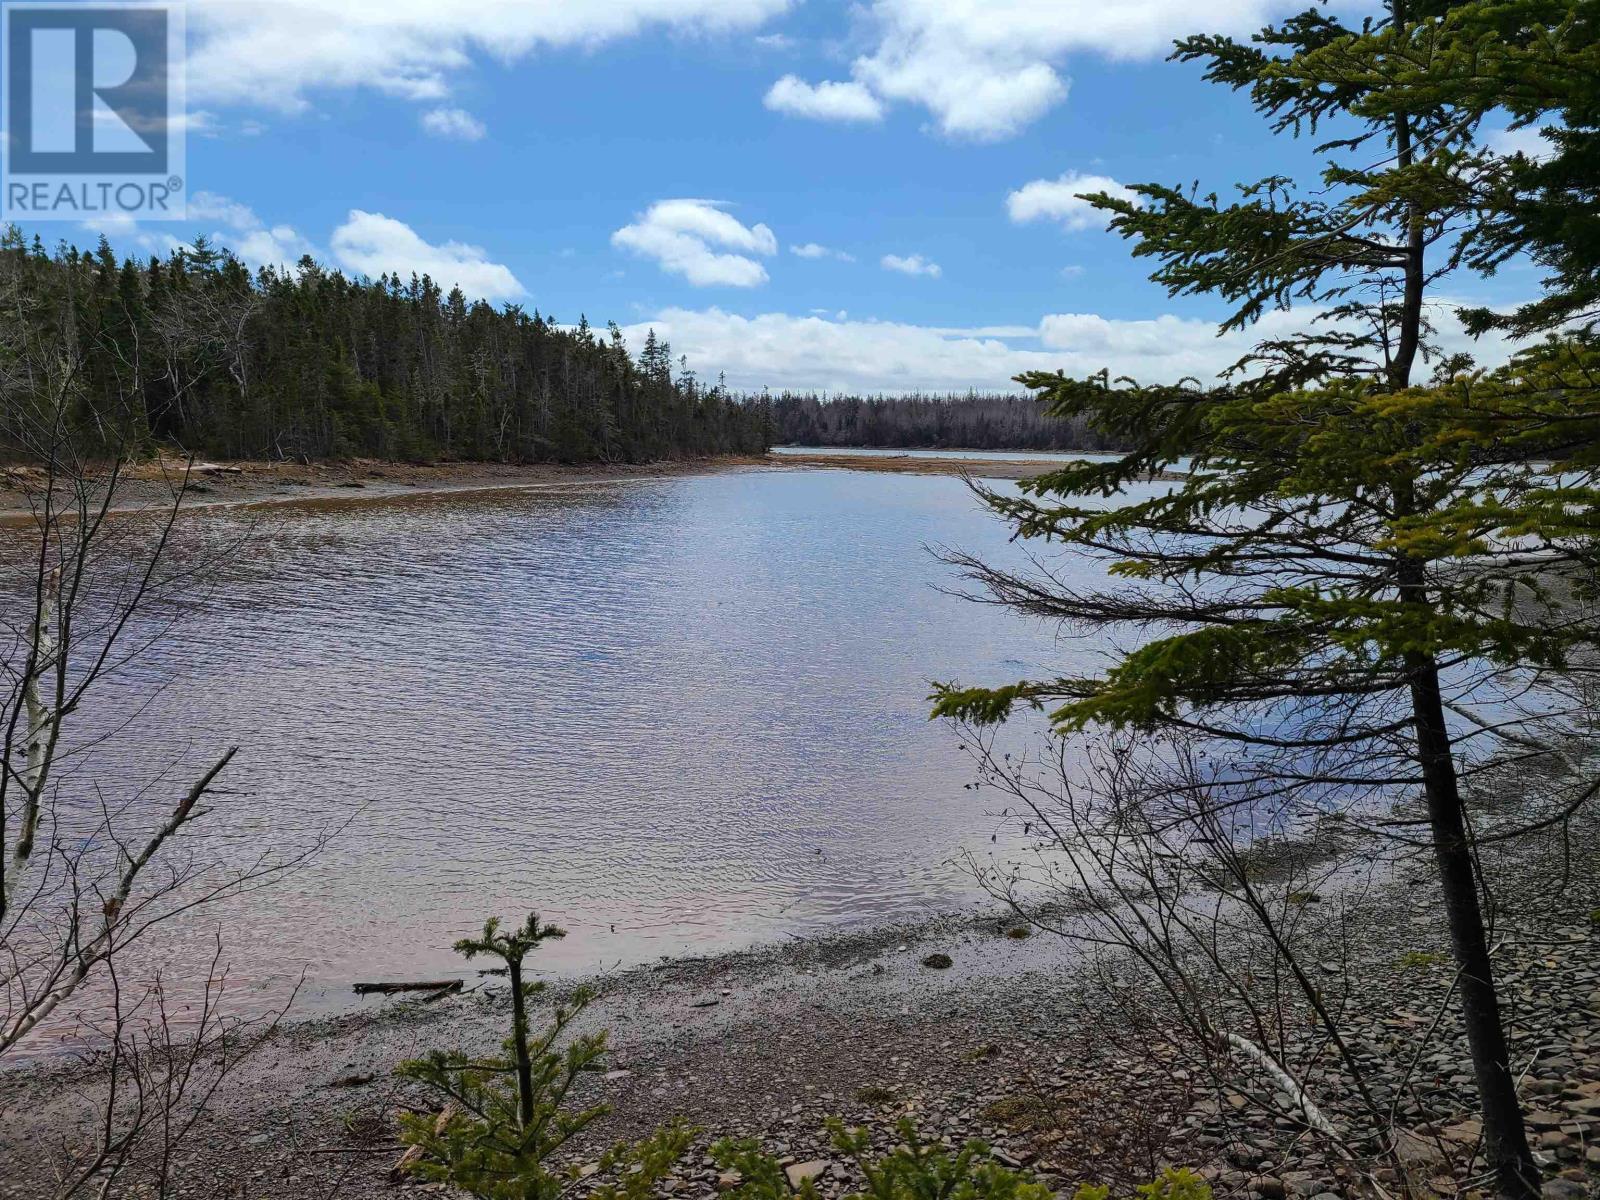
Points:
[(1363, 566)]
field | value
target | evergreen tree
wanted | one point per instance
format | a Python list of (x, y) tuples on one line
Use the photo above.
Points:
[(1368, 584), (193, 351)]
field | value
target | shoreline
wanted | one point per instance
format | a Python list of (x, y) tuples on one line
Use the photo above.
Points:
[(1019, 467), (1015, 1040), (252, 483), (1014, 1043)]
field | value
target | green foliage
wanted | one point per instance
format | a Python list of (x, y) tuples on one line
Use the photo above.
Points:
[(1539, 62), (1358, 486), (1363, 582), (196, 351), (1420, 959), (1175, 1183), (913, 1170), (505, 1117)]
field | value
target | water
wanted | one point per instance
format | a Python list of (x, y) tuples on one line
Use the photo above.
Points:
[(677, 715)]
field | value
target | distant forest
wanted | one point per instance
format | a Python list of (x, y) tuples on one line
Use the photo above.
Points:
[(973, 421), (195, 350)]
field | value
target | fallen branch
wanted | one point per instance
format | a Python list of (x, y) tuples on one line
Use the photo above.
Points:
[(413, 1154), (1313, 1115), (425, 985)]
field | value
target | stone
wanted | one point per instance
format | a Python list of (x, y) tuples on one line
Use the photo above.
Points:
[(1544, 1118), (1269, 1187), (798, 1173), (1416, 1152), (939, 962), (1564, 1189)]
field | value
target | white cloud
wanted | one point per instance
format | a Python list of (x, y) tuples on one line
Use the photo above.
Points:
[(826, 101), (700, 241), (273, 52), (373, 244), (1528, 140), (237, 227), (455, 123), (987, 68), (912, 264), (125, 232), (816, 250), (226, 224), (1058, 200), (780, 350)]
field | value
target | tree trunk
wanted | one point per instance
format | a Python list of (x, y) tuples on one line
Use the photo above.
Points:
[(519, 1040), (1505, 1139)]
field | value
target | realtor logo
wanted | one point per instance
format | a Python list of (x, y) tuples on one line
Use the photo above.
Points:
[(91, 111)]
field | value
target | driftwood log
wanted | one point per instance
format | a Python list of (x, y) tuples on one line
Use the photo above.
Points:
[(425, 985)]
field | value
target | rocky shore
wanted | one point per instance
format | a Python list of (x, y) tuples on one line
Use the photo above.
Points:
[(1019, 467), (210, 484), (213, 484), (1013, 1042)]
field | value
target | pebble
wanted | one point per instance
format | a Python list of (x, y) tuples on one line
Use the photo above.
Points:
[(798, 1173)]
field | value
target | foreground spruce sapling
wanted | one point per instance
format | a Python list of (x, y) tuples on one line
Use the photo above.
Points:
[(505, 1118), (918, 1170)]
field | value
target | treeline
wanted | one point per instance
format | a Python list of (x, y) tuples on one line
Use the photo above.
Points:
[(195, 350), (973, 421)]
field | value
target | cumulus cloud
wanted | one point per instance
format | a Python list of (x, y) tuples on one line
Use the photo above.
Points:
[(125, 232), (237, 227), (274, 52), (911, 264), (829, 100), (373, 244), (700, 241), (455, 123), (226, 223), (781, 350), (1061, 200), (816, 250), (986, 71)]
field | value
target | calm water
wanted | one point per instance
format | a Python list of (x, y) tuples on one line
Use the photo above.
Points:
[(679, 715)]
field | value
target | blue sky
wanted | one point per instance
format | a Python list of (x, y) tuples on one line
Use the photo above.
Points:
[(659, 162)]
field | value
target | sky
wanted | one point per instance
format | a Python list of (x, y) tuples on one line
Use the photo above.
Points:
[(796, 193)]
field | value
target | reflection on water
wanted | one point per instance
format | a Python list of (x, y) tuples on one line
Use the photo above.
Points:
[(672, 715)]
